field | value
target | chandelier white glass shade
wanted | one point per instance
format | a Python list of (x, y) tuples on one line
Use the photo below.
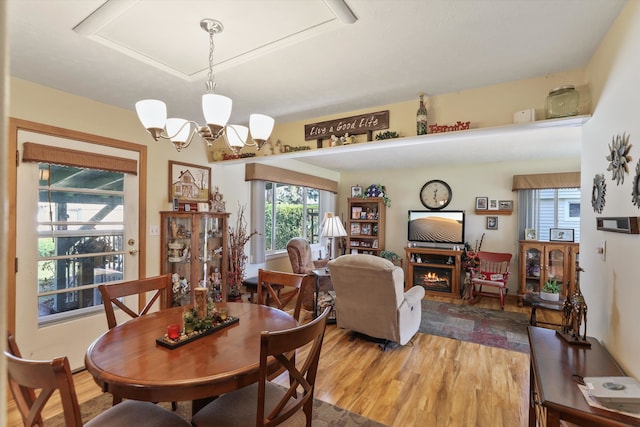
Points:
[(332, 227), (216, 110)]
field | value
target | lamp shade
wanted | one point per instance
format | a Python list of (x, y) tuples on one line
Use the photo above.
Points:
[(216, 109), (261, 126), (237, 135), (152, 113), (178, 130), (333, 227)]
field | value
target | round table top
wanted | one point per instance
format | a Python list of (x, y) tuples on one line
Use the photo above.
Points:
[(127, 362)]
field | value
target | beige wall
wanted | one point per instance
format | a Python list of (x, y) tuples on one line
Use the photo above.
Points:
[(484, 107), (611, 286), (467, 182)]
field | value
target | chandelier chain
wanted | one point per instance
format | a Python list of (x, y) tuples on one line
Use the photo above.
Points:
[(211, 85)]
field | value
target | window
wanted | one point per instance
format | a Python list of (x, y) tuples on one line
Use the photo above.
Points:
[(80, 237), (290, 211), (550, 208)]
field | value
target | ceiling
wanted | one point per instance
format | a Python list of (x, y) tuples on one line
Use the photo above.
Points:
[(297, 60)]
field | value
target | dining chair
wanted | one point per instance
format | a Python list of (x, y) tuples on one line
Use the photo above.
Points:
[(266, 403), (280, 288), (113, 293), (492, 271), (26, 377)]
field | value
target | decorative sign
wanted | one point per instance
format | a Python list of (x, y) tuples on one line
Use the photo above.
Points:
[(290, 148), (449, 128), (352, 125)]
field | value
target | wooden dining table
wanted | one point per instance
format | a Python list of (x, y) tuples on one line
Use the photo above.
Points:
[(127, 362)]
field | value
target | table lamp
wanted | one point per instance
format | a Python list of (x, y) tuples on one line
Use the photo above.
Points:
[(332, 227)]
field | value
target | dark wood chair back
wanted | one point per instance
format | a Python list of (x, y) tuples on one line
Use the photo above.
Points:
[(33, 382), (27, 376), (282, 345), (111, 294), (26, 395), (281, 288)]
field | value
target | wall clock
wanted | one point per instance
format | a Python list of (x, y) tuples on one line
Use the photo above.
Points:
[(597, 193), (435, 194)]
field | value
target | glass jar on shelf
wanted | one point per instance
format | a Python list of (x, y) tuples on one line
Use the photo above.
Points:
[(562, 101)]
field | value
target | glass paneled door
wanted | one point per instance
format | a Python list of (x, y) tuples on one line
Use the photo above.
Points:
[(77, 227)]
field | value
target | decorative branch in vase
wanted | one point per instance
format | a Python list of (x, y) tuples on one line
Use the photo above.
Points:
[(238, 238)]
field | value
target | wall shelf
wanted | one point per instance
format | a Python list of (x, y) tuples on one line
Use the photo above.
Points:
[(542, 139), (492, 212)]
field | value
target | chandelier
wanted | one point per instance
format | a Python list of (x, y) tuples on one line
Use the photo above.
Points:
[(216, 110)]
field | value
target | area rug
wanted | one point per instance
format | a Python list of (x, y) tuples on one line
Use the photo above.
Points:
[(324, 414), (502, 329)]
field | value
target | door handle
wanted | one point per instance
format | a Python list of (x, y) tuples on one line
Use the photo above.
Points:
[(132, 250)]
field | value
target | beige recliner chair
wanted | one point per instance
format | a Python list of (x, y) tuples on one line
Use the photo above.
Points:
[(370, 298)]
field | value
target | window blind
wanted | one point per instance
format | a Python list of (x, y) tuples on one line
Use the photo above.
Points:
[(260, 172), (546, 180), (39, 153)]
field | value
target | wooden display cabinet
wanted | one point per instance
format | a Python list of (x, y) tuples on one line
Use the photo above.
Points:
[(436, 270), (365, 226), (542, 261), (194, 247)]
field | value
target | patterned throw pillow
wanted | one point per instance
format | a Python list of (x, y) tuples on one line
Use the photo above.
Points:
[(487, 275)]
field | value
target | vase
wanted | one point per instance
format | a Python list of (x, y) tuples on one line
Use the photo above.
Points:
[(547, 296)]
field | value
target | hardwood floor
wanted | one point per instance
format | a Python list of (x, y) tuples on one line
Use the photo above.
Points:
[(431, 381)]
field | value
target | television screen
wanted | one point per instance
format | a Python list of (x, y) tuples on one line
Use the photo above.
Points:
[(436, 227)]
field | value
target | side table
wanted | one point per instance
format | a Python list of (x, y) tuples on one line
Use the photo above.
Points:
[(327, 298), (536, 302)]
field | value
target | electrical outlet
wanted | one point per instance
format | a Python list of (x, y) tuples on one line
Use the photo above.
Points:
[(154, 230)]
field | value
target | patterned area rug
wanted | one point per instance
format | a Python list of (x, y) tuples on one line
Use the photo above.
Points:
[(324, 414), (502, 329)]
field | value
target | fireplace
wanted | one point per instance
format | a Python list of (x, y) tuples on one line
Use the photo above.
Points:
[(437, 270), (433, 278)]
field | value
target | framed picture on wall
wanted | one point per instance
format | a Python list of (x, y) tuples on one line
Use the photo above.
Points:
[(505, 205), (493, 204), (492, 223), (356, 191), (189, 183), (482, 203)]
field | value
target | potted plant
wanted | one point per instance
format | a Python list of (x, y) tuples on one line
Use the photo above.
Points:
[(550, 291), (392, 256)]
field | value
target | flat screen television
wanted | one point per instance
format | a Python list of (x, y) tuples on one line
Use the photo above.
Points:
[(434, 227)]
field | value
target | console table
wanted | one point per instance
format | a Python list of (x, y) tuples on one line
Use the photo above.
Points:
[(556, 368)]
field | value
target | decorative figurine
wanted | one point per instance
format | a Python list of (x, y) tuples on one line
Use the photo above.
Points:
[(175, 280), (217, 204), (216, 277), (574, 314)]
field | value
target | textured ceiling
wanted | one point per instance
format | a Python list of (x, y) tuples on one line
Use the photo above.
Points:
[(295, 60)]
